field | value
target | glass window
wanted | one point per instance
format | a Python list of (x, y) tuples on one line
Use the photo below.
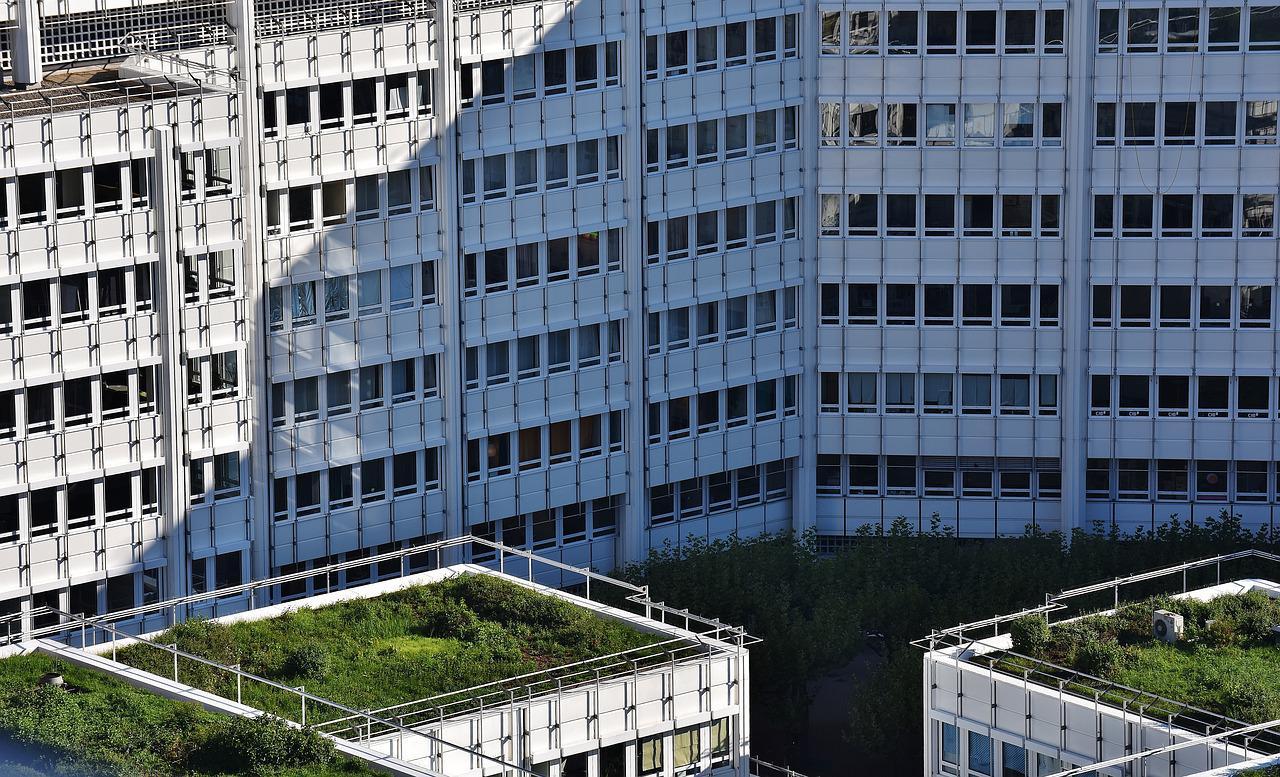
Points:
[(976, 394), (1015, 395), (900, 124), (1255, 306), (950, 750), (831, 33), (979, 124), (1264, 28), (940, 124), (1179, 124), (1105, 124), (980, 32), (1143, 30), (1139, 124), (864, 32), (687, 747), (1260, 122), (904, 32), (1251, 481), (940, 32), (1183, 29), (649, 751), (863, 124), (1217, 215), (1220, 123), (1020, 32), (1224, 28), (1212, 396), (1019, 124), (937, 395)]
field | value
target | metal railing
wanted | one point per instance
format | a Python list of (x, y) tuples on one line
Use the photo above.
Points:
[(178, 609), (1151, 706), (1059, 602), (761, 768), (91, 96), (278, 18), (593, 671), (173, 65), (1206, 741)]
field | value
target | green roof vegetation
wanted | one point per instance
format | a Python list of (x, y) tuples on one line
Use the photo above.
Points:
[(398, 647), (1226, 662), (97, 725), (367, 653)]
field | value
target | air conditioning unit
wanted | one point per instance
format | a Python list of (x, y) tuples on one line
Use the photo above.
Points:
[(1167, 626)]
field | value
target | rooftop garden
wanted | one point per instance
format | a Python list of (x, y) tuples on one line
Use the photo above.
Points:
[(97, 725), (1226, 662), (402, 646)]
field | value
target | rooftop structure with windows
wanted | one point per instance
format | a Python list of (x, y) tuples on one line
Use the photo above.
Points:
[(451, 671), (1175, 676)]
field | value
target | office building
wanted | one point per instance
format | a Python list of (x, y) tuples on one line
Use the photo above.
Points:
[(295, 284)]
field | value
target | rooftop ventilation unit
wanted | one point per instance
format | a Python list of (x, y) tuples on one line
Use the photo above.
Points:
[(1167, 626)]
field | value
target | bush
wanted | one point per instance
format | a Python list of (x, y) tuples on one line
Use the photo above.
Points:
[(1099, 658), (307, 661), (1030, 635), (260, 746), (1219, 633)]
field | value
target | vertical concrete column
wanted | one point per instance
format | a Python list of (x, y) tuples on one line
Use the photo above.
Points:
[(28, 69), (176, 499), (1081, 36), (632, 531), (804, 482), (257, 375), (446, 110)]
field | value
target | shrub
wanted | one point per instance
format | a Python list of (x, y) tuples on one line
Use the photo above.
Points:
[(1099, 658), (260, 746), (1030, 635), (310, 661), (449, 618), (1218, 633)]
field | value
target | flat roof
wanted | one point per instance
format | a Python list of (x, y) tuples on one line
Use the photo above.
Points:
[(430, 636), (96, 86)]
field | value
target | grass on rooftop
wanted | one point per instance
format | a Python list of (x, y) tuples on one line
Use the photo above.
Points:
[(1227, 661), (98, 725), (401, 646)]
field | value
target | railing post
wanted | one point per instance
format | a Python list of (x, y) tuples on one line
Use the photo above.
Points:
[(302, 693), (174, 648)]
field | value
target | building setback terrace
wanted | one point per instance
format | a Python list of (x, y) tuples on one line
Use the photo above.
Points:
[(429, 673), (1171, 672)]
